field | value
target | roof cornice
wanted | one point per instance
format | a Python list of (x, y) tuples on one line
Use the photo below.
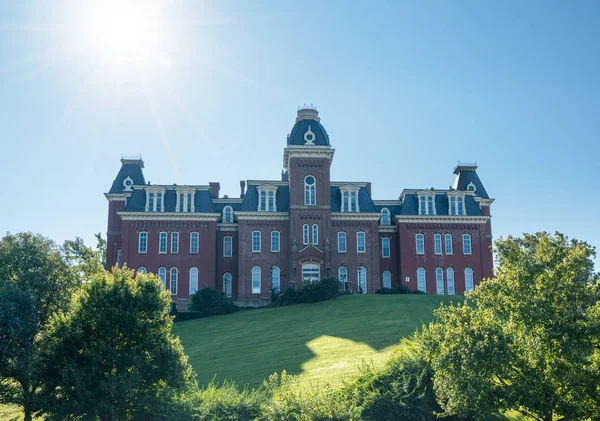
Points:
[(261, 215), (300, 151), (354, 216), (170, 216), (117, 196), (436, 219)]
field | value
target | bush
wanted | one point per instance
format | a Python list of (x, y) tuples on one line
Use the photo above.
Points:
[(325, 289), (418, 292), (210, 302), (402, 289), (289, 297)]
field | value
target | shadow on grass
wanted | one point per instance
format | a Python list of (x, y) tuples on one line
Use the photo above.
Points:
[(331, 337)]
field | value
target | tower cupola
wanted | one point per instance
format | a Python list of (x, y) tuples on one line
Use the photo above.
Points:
[(308, 130)]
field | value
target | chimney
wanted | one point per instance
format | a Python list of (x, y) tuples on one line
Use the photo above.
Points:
[(214, 189), (242, 188)]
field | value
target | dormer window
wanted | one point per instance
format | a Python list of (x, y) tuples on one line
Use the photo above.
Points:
[(185, 201), (471, 187), (385, 217), (456, 204), (349, 198), (127, 184), (228, 215), (266, 198), (426, 204), (154, 199)]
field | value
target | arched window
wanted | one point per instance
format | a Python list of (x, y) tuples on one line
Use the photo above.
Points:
[(421, 280), (466, 244), (439, 280), (162, 243), (450, 280), (174, 242), (387, 279), (228, 215), (310, 190), (275, 279), (227, 246), (193, 280), (341, 242), (437, 243), (362, 280), (420, 243), (227, 284), (315, 233), (119, 258), (194, 243), (468, 280), (305, 234), (311, 272), (385, 217), (343, 277), (448, 239), (385, 247), (275, 241), (361, 242), (162, 275), (174, 280), (256, 241), (256, 280), (143, 242), (142, 270)]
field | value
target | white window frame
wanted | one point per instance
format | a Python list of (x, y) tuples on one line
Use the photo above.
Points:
[(343, 276), (437, 243), (314, 269), (364, 238), (420, 237), (259, 236), (426, 200), (384, 241), (275, 276), (155, 205), (162, 275), (342, 239), (450, 281), (467, 251), (267, 191), (227, 215), (439, 280), (469, 285), (185, 200), (256, 280), (227, 284), (422, 279), (315, 234), (310, 191), (456, 204), (276, 235), (142, 269), (305, 234), (385, 217), (193, 273), (448, 240), (359, 281), (172, 271), (386, 274), (349, 195), (197, 236), (161, 249), (175, 242), (143, 234), (226, 252)]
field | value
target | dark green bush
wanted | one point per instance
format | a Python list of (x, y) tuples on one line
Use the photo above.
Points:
[(210, 302), (416, 291), (289, 296), (402, 289), (325, 289)]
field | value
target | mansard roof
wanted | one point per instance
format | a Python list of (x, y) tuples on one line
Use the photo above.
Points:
[(465, 175), (131, 168), (202, 200), (306, 120), (365, 203), (410, 204), (282, 197)]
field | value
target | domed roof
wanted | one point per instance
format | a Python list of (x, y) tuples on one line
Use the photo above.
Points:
[(308, 129)]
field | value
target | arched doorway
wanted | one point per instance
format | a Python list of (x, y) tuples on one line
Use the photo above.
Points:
[(311, 272)]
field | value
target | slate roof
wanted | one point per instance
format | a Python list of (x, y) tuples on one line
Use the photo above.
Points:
[(410, 205), (365, 203), (301, 127), (134, 171), (218, 207), (465, 177), (282, 199), (202, 201)]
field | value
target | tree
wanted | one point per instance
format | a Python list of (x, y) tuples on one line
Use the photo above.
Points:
[(528, 340), (84, 259), (35, 283), (113, 357)]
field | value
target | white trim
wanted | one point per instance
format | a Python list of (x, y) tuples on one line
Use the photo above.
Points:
[(259, 241), (127, 187), (171, 216), (262, 215), (384, 212), (312, 191), (117, 196), (386, 202), (352, 216), (470, 244), (256, 290), (387, 228), (424, 279), (223, 219), (365, 237), (435, 251), (175, 234), (345, 242), (197, 243), (389, 248), (358, 285), (439, 280), (227, 293), (417, 243), (450, 291), (278, 241), (227, 227), (302, 151), (383, 278), (350, 189), (140, 242), (483, 202), (190, 280), (315, 230), (451, 244), (166, 242), (266, 189), (443, 218), (171, 280)]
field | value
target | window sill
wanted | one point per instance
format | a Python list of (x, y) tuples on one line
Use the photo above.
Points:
[(255, 251)]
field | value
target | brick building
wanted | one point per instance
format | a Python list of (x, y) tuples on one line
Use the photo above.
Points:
[(303, 227)]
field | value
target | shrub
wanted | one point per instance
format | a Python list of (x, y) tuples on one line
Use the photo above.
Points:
[(401, 289), (210, 302), (289, 296), (416, 291), (325, 289)]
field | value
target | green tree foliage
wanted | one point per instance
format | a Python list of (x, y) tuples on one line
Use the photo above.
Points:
[(210, 302), (112, 356), (35, 283), (528, 340), (85, 260)]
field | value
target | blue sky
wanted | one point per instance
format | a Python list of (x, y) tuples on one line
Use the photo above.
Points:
[(405, 90)]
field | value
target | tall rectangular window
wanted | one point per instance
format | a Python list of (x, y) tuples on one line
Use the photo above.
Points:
[(263, 200), (174, 280), (430, 205), (448, 238), (353, 202), (460, 205), (439, 280), (162, 243), (361, 242), (181, 199), (341, 242), (385, 247), (346, 202), (227, 246), (194, 246), (275, 241), (189, 202), (305, 234), (315, 234), (174, 242), (255, 241), (271, 201), (422, 206), (452, 205), (466, 244), (151, 202), (159, 202), (143, 242), (256, 280), (437, 241), (420, 243)]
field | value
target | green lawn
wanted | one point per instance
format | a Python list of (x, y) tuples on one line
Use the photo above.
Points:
[(323, 341)]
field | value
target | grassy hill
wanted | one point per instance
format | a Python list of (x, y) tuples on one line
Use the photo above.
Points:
[(322, 341)]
